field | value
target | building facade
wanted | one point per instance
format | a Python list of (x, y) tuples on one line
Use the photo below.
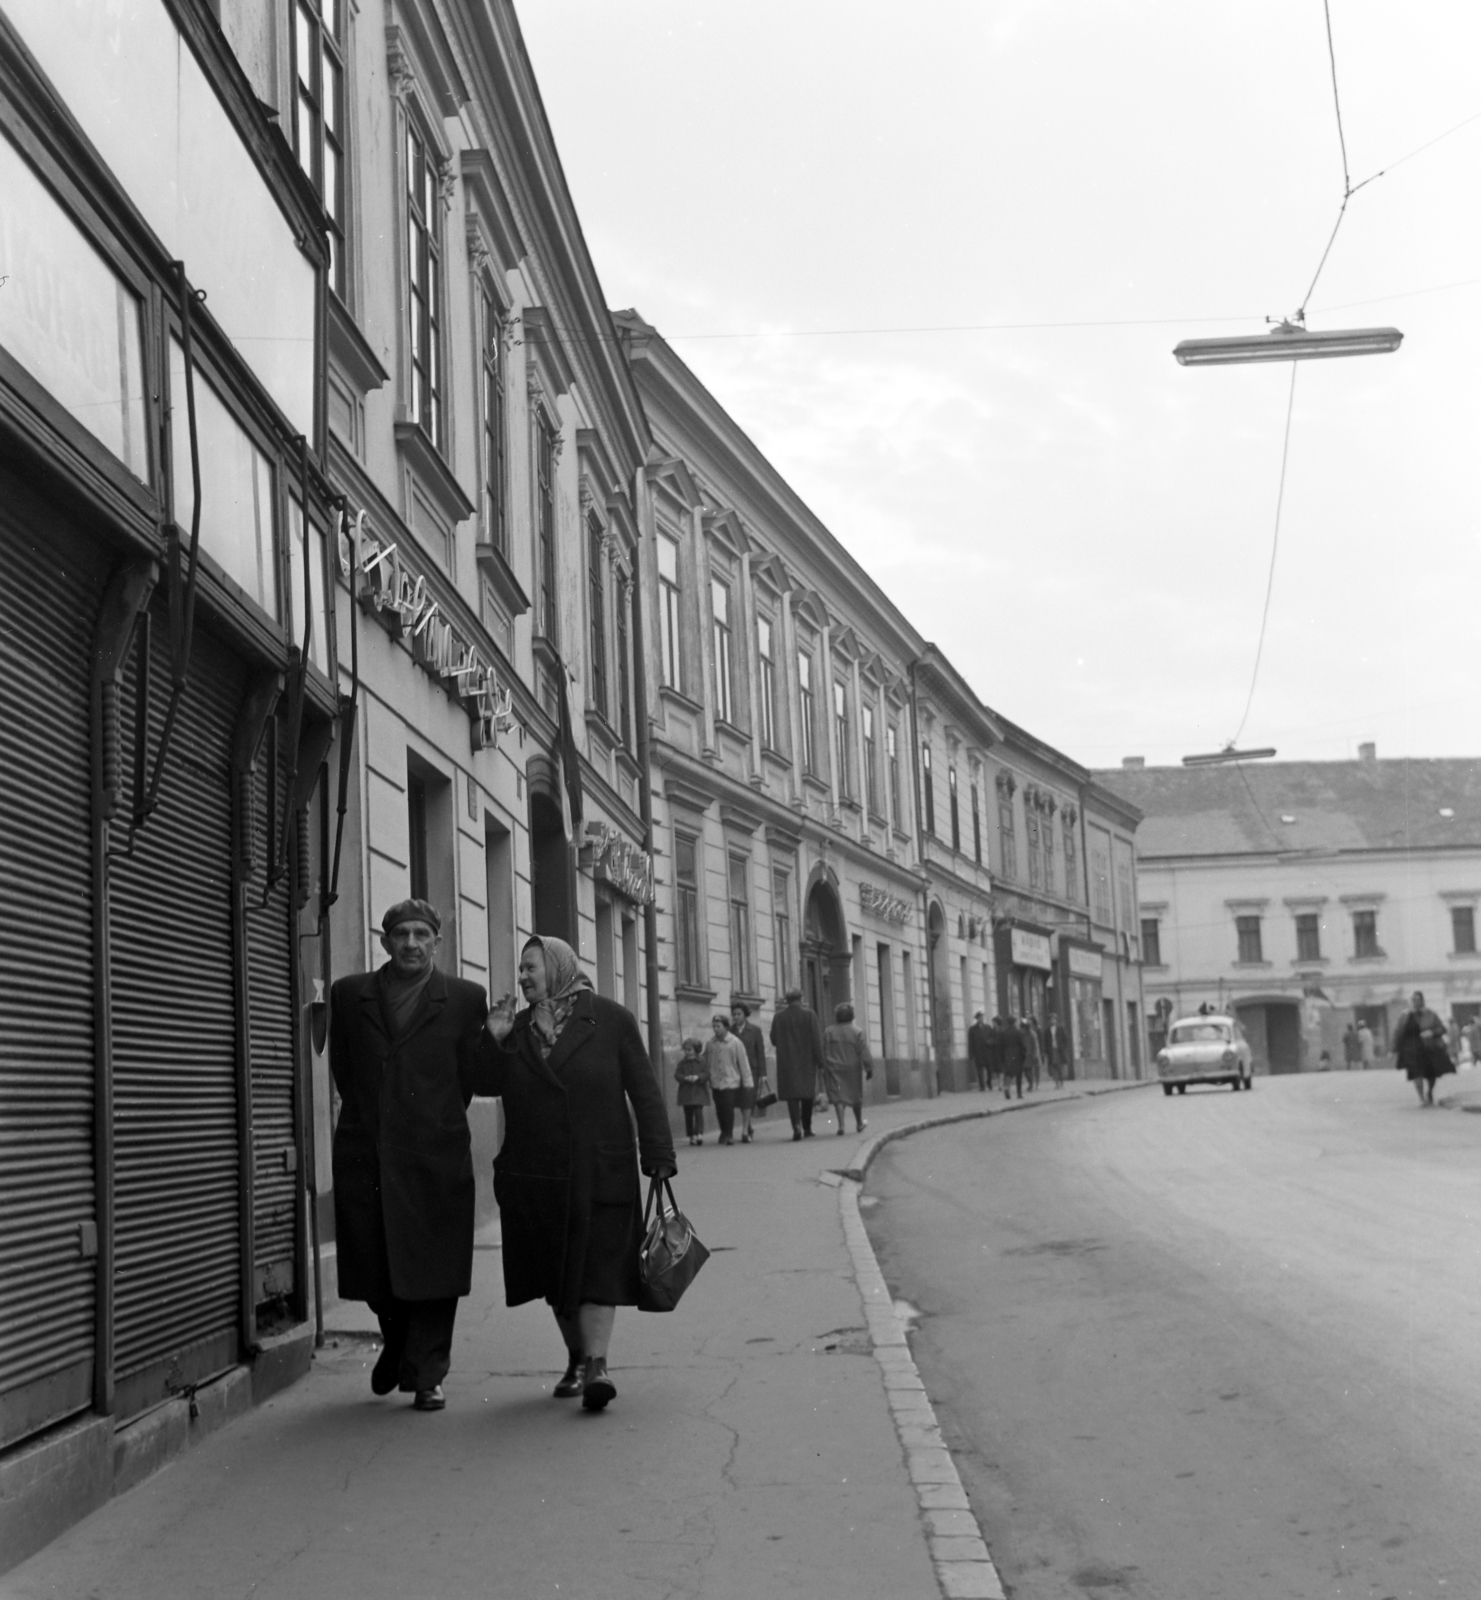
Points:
[(785, 833), (1310, 896)]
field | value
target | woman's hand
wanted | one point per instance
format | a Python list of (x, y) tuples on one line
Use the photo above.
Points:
[(500, 1022)]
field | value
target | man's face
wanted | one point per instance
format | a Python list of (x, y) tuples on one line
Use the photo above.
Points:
[(737, 1018), (412, 947), (1416, 1001)]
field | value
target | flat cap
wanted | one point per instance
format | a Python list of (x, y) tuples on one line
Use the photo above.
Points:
[(411, 911)]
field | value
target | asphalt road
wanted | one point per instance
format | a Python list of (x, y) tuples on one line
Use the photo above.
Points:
[(1215, 1346)]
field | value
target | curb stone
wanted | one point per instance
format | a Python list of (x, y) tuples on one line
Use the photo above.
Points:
[(959, 1553)]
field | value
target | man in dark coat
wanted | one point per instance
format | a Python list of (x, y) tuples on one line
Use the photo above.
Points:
[(1015, 1056), (405, 1043), (797, 1038), (979, 1051)]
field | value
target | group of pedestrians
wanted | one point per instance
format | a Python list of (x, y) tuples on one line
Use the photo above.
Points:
[(1017, 1049), (813, 1064), (1359, 1049)]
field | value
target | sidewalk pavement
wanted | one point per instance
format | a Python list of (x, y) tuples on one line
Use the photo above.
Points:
[(752, 1453)]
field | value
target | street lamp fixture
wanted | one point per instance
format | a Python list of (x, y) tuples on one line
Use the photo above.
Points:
[(1217, 757), (1287, 341)]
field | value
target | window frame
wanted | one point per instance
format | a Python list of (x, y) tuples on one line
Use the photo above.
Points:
[(1308, 936), (426, 321), (1008, 835), (976, 824), (781, 917), (1468, 913), (596, 599), (928, 789), (956, 809), (688, 929), (805, 709), (871, 758), (623, 641), (670, 617), (892, 770), (327, 134), (841, 739), (1249, 940), (548, 601), (1151, 941), (493, 465), (1365, 945), (742, 973), (722, 651), (766, 661)]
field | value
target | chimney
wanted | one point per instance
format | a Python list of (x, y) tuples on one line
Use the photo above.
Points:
[(1367, 752), (1133, 763)]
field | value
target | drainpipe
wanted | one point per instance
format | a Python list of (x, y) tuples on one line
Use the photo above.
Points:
[(920, 858), (641, 729)]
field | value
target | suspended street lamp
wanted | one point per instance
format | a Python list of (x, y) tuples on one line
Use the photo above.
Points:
[(1287, 341), (1217, 757)]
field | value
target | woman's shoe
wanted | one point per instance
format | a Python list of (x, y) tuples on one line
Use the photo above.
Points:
[(796, 1133), (745, 1138), (862, 1126), (598, 1388), (571, 1379)]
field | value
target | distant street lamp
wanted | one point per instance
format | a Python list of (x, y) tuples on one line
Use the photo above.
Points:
[(1216, 757), (1287, 341)]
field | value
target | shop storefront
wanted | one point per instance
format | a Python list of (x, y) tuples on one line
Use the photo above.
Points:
[(1081, 966), (1025, 967)]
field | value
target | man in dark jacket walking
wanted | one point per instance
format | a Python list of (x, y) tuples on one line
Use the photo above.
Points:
[(979, 1051), (797, 1038), (406, 1045)]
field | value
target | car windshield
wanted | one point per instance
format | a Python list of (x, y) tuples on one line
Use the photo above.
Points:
[(1200, 1033)]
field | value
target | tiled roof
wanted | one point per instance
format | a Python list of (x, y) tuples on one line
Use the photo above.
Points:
[(1331, 805)]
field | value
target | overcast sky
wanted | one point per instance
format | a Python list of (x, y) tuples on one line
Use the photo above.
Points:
[(1084, 526)]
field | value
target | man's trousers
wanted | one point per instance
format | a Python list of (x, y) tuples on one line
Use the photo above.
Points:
[(418, 1335)]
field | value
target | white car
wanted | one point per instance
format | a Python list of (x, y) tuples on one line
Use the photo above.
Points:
[(1205, 1049)]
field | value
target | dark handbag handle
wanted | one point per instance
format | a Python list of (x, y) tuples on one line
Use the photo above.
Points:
[(657, 1187)]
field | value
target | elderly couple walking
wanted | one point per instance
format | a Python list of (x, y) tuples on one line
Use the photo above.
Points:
[(409, 1047), (807, 1052)]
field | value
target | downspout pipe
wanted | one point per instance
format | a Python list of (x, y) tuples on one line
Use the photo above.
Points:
[(920, 858), (642, 731)]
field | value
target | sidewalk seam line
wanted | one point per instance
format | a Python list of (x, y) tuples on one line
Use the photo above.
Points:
[(931, 1468)]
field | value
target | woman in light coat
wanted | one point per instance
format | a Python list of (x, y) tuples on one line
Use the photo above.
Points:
[(846, 1063)]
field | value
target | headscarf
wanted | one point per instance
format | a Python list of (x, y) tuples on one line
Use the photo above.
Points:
[(564, 981)]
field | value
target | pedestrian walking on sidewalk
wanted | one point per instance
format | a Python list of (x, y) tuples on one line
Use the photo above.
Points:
[(1365, 1046), (730, 1075), (1056, 1050), (797, 1038), (1419, 1046), (1352, 1051), (846, 1064), (753, 1041), (693, 1078), (405, 1047), (1033, 1051), (1015, 1057), (979, 1052), (569, 1066)]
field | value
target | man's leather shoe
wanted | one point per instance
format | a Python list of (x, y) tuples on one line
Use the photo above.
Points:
[(430, 1399), (797, 1133), (384, 1374), (598, 1388), (571, 1379)]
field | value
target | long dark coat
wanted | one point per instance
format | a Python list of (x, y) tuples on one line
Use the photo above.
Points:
[(797, 1038), (755, 1046), (978, 1049), (403, 1165), (566, 1176), (1418, 1056)]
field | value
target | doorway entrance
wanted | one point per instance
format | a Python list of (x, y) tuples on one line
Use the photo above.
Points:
[(941, 1026), (827, 959), (552, 890)]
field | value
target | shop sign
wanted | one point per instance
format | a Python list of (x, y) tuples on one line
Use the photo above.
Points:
[(1085, 963), (888, 906), (617, 861), (389, 588), (1029, 949)]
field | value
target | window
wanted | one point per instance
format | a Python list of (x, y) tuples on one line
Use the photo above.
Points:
[(424, 275), (416, 816), (840, 739), (1463, 929), (624, 679), (1072, 887), (871, 762), (1151, 941), (318, 118), (781, 917), (976, 826), (1365, 934), (928, 789), (686, 912), (668, 610), (724, 679), (1007, 834), (956, 819), (892, 758), (805, 713), (768, 682), (1031, 832), (596, 599), (1308, 936), (741, 976), (545, 524), (1251, 950), (491, 424)]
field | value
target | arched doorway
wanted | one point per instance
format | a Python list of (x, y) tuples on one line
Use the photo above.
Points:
[(940, 975), (1273, 1028), (552, 890), (826, 965)]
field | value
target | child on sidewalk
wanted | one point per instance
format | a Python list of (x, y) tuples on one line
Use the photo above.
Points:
[(693, 1078)]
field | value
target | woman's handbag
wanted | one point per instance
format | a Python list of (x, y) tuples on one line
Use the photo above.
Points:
[(765, 1095), (671, 1253)]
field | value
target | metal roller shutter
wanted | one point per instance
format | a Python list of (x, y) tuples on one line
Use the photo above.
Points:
[(47, 1284), (270, 987), (176, 1195)]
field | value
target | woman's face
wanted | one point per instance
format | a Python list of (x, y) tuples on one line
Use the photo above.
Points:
[(532, 984), (718, 1024)]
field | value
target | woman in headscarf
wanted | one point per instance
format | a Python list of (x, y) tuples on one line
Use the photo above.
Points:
[(846, 1063), (1420, 1050), (566, 1178)]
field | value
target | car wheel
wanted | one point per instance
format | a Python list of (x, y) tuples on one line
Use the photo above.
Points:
[(1167, 1090)]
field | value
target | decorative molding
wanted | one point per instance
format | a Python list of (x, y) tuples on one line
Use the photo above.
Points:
[(433, 472), (738, 819), (351, 351), (689, 796), (883, 904), (500, 575)]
